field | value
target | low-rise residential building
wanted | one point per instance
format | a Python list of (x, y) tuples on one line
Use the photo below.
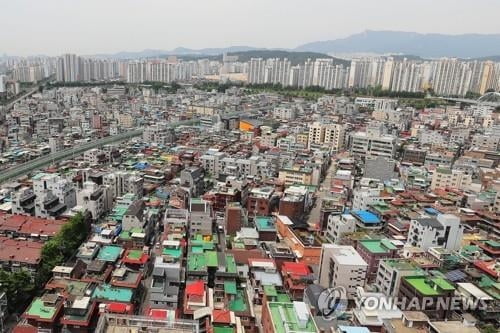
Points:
[(445, 230), (373, 251), (446, 178)]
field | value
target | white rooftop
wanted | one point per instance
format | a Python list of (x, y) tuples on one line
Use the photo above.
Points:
[(473, 290), (345, 254), (62, 269)]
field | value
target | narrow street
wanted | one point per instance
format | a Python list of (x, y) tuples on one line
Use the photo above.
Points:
[(323, 191)]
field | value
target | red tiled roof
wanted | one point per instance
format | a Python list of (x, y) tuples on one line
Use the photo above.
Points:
[(196, 288), (221, 316), (11, 222), (30, 225), (41, 226), (117, 307), (24, 251), (488, 267), (128, 260), (20, 328), (158, 313), (295, 268)]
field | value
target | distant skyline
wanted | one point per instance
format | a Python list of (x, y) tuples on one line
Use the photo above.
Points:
[(53, 27)]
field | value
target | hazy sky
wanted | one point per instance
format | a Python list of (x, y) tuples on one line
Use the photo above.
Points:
[(53, 27)]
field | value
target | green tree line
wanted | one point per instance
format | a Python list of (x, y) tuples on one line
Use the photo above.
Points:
[(62, 247), (20, 286)]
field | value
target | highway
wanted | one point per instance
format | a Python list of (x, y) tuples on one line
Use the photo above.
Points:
[(43, 161), (27, 94), (471, 101)]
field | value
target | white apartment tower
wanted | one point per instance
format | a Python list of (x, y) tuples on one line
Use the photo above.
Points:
[(342, 266), (445, 231), (256, 71)]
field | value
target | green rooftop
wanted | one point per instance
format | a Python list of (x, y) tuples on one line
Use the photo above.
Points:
[(278, 309), (237, 244), (38, 176), (118, 212), (174, 253), (493, 244), (470, 249), (264, 223), (238, 304), (402, 264), (115, 294), (443, 284), (199, 244), (127, 234), (128, 197), (378, 246), (134, 254), (196, 262), (230, 264), (39, 310), (422, 285), (490, 286), (76, 288), (283, 298), (381, 207), (429, 287), (223, 329), (230, 287), (270, 290), (211, 259), (109, 253)]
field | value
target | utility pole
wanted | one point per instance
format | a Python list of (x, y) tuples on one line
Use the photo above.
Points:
[(3, 310)]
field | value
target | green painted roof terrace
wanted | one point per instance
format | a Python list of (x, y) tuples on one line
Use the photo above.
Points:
[(174, 253), (291, 319), (38, 309), (378, 246), (109, 253), (223, 329), (429, 287), (264, 223), (238, 304), (115, 294)]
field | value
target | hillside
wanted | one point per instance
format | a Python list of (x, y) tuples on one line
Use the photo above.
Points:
[(422, 45), (295, 57)]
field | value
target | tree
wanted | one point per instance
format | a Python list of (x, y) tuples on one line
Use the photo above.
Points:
[(18, 287), (60, 248), (489, 329), (472, 95)]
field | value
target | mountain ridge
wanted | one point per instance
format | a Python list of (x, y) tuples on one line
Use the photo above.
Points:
[(381, 42), (400, 42)]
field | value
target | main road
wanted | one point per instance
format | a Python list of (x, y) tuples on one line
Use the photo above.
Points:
[(40, 162), (23, 96)]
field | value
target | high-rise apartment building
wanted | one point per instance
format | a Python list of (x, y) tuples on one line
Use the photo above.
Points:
[(256, 70), (342, 266)]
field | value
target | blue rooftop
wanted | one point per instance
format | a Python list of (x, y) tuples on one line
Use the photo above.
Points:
[(431, 211), (366, 217), (353, 329), (141, 165), (264, 223)]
